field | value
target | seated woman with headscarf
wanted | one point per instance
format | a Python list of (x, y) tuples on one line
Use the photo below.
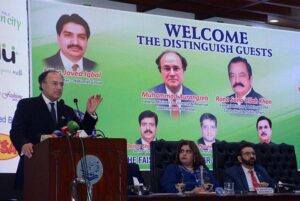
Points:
[(189, 173)]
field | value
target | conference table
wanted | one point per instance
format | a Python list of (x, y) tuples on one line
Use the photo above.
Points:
[(213, 197)]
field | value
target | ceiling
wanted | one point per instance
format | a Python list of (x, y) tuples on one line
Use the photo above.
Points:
[(286, 11)]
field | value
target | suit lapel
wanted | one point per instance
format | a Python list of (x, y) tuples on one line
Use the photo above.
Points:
[(258, 174), (61, 115), (243, 178), (46, 115), (59, 64)]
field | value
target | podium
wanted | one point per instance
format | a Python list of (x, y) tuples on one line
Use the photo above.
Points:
[(48, 175)]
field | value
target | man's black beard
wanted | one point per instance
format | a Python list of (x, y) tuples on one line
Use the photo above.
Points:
[(249, 162)]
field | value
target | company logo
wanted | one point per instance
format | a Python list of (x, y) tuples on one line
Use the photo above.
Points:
[(9, 19), (7, 149), (6, 55), (90, 168), (10, 95)]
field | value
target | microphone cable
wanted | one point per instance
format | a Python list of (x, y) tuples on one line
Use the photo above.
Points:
[(100, 134), (72, 159), (85, 170), (75, 100)]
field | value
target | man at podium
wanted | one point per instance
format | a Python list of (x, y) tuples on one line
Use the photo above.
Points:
[(43, 115)]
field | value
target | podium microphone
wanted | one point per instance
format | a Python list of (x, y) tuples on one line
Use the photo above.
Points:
[(75, 100), (71, 128)]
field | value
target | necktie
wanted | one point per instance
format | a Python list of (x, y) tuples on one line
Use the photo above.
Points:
[(175, 112), (253, 179), (53, 112), (75, 67)]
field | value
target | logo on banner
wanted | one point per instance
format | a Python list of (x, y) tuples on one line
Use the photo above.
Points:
[(7, 55), (8, 19), (90, 168), (10, 96), (7, 149)]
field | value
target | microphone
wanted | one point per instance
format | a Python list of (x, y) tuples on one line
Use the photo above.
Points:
[(73, 126), (58, 133), (55, 134), (75, 100)]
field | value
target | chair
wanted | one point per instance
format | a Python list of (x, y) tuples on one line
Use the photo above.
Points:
[(224, 156), (162, 153), (278, 159)]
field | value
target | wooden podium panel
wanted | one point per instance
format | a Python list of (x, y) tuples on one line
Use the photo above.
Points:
[(49, 173)]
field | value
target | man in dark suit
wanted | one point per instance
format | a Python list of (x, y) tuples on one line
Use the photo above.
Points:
[(148, 121), (73, 33), (43, 114), (172, 67), (247, 176), (241, 80)]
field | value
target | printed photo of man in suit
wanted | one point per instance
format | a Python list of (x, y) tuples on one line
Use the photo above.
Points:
[(264, 130), (241, 80), (73, 33), (209, 130), (148, 121), (172, 67)]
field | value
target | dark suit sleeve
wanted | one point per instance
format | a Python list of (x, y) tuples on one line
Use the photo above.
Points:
[(134, 171), (212, 179), (18, 132), (88, 123), (169, 179), (266, 177)]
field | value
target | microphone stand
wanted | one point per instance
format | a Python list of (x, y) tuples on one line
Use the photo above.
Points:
[(80, 180)]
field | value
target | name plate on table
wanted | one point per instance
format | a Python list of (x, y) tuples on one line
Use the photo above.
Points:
[(264, 190)]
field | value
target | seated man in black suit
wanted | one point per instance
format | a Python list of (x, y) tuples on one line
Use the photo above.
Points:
[(43, 114), (73, 33), (247, 176)]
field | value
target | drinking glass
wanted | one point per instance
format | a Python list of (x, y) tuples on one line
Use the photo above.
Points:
[(229, 188)]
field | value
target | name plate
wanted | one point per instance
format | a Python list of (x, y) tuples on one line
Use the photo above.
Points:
[(264, 190)]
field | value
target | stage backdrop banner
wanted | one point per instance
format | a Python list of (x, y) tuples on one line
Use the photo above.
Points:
[(122, 49), (14, 73)]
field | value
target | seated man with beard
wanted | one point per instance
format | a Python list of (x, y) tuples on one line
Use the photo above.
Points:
[(248, 175)]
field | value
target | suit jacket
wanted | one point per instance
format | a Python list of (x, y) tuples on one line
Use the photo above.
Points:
[(164, 102), (134, 171), (33, 118), (201, 141), (56, 63), (138, 141), (236, 175), (162, 89), (253, 94)]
